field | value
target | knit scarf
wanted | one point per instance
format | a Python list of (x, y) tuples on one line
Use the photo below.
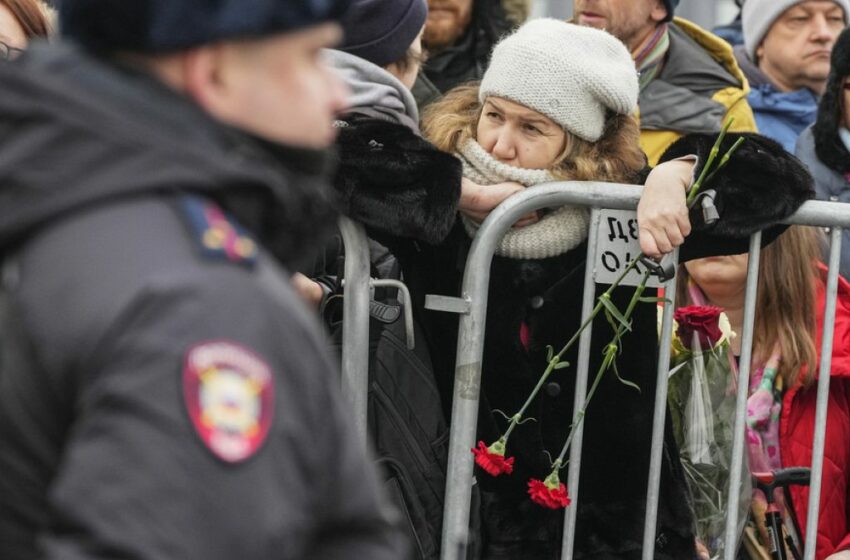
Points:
[(556, 233), (650, 57)]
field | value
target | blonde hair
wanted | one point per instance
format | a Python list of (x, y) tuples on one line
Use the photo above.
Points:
[(616, 157), (788, 272)]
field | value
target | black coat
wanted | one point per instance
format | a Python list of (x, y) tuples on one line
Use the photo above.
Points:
[(109, 183), (546, 296), (467, 59)]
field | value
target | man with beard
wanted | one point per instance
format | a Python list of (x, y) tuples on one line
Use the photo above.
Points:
[(689, 79), (163, 392), (459, 35)]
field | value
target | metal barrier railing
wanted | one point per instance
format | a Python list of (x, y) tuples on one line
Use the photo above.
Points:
[(472, 306), (355, 321), (359, 288)]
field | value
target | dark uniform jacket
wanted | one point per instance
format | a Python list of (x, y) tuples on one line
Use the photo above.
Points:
[(163, 394)]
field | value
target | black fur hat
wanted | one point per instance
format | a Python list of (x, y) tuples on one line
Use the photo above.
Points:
[(761, 185), (828, 146), (156, 26)]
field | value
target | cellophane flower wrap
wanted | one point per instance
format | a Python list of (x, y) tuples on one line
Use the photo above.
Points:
[(701, 399)]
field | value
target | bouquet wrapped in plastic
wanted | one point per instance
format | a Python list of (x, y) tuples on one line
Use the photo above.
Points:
[(701, 399)]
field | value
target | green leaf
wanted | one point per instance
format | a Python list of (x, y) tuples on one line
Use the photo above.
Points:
[(611, 321), (612, 309), (550, 353), (562, 365), (624, 381), (655, 300)]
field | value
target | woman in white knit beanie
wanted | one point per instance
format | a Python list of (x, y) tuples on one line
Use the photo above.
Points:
[(557, 103)]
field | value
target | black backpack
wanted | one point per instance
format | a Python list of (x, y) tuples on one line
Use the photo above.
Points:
[(407, 428)]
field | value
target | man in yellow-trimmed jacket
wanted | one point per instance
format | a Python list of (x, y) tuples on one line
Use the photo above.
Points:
[(689, 79)]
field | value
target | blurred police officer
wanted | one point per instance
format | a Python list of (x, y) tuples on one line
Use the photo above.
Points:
[(163, 395)]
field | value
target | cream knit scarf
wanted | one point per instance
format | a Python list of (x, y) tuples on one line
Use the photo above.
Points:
[(556, 233)]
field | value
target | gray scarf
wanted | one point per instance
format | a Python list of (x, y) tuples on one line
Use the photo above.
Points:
[(556, 233), (374, 91)]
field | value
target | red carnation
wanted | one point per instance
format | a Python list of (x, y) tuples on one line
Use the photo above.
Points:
[(550, 493), (702, 321), (492, 459)]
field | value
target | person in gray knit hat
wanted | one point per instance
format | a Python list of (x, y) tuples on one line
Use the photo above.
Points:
[(785, 56), (557, 103)]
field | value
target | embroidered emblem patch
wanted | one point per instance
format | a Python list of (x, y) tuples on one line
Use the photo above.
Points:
[(229, 393)]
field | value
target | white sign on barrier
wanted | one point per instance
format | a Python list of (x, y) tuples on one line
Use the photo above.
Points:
[(617, 245)]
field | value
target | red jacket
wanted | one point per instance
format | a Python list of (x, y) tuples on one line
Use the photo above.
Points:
[(796, 431)]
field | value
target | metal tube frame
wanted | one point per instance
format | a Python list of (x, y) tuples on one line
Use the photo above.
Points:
[(657, 456), (471, 345), (355, 358), (823, 394), (582, 372), (470, 348), (355, 322), (737, 465)]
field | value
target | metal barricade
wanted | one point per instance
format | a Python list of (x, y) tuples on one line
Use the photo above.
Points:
[(359, 287), (472, 306), (355, 321)]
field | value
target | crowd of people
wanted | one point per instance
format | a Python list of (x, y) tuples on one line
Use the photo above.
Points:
[(170, 176)]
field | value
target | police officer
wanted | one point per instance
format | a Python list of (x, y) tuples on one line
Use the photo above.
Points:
[(163, 394)]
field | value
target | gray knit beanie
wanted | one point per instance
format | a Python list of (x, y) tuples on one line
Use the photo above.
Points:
[(569, 73), (758, 17)]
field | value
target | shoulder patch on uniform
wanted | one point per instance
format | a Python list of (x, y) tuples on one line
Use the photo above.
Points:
[(216, 234), (229, 394)]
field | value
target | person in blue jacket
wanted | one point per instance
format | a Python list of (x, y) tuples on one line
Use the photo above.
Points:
[(785, 57)]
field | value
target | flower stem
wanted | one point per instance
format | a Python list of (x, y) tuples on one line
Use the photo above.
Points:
[(610, 356), (556, 359), (725, 159), (712, 155)]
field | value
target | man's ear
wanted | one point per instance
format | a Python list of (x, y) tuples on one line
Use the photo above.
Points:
[(203, 69), (659, 11)]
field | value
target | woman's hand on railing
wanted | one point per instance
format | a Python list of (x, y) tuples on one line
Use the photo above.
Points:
[(477, 201), (663, 212)]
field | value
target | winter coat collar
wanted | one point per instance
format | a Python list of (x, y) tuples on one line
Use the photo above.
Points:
[(830, 183), (109, 133), (680, 98), (375, 90), (781, 115), (752, 72)]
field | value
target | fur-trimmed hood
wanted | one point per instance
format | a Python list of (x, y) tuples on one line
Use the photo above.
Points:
[(828, 145), (395, 182)]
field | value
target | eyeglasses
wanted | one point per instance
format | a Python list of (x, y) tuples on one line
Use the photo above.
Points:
[(8, 52)]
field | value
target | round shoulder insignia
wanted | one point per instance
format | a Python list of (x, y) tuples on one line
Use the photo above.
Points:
[(229, 393)]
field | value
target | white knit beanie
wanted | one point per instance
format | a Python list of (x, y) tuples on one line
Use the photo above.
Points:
[(569, 73), (758, 17)]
